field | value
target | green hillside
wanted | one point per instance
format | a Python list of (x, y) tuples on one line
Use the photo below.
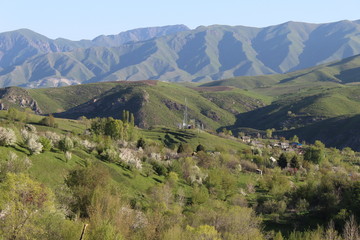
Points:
[(338, 132), (154, 103), (299, 109), (328, 75)]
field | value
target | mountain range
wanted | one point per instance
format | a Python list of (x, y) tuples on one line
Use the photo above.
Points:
[(173, 53)]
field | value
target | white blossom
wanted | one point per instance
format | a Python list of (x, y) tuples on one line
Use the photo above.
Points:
[(7, 136)]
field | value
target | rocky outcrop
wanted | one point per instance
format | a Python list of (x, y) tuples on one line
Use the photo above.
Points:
[(17, 97)]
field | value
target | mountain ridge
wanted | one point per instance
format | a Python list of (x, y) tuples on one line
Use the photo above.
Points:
[(179, 54)]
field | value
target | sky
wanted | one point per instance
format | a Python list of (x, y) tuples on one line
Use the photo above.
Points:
[(80, 19)]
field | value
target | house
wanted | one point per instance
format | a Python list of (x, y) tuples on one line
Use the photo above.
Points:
[(273, 160), (246, 139), (296, 145), (284, 145)]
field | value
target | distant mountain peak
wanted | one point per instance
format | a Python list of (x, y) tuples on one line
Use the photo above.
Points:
[(175, 53)]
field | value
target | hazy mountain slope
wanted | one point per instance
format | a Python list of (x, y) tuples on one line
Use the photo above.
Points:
[(345, 71), (18, 46), (137, 35), (174, 53)]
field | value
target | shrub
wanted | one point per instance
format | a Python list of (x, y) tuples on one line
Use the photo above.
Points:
[(200, 148), (53, 137), (7, 137), (30, 128), (110, 155), (248, 166), (68, 156), (127, 156), (180, 148), (47, 144), (34, 146), (48, 121), (140, 143), (283, 161), (31, 141), (13, 164), (89, 146), (159, 168), (66, 144)]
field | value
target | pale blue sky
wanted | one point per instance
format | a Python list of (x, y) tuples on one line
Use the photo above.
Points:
[(80, 19)]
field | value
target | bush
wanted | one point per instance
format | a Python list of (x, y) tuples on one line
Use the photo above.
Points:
[(13, 164), (200, 148), (68, 156), (34, 146), (66, 144), (53, 137), (110, 155), (30, 128), (7, 137), (48, 121), (248, 166), (180, 148), (89, 146), (47, 144), (140, 143), (31, 142), (159, 168)]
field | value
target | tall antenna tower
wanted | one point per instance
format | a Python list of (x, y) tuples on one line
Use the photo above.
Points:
[(185, 121)]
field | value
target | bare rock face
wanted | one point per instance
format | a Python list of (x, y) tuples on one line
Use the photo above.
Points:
[(14, 96), (173, 105), (211, 114)]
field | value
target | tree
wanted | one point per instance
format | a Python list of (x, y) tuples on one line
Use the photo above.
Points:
[(132, 120), (283, 161), (66, 144), (314, 154), (278, 236), (83, 183), (294, 139), (140, 143), (46, 143), (22, 201), (12, 114), (181, 148), (125, 116), (113, 128), (319, 144), (7, 137), (269, 133), (98, 126), (294, 162), (200, 148), (48, 121)]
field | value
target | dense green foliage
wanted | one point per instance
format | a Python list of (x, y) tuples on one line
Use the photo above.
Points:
[(140, 188)]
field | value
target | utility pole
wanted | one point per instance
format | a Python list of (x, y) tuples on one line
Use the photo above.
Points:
[(185, 121), (83, 231)]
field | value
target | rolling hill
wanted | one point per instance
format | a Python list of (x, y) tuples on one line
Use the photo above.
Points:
[(177, 54), (298, 103), (152, 102)]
